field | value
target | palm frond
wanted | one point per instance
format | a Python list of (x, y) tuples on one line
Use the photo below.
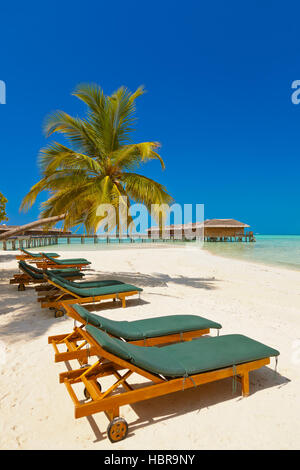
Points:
[(145, 190), (98, 166), (131, 156), (57, 156)]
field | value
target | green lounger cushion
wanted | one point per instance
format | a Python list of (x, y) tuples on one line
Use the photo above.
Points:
[(38, 255), (66, 272), (187, 358), (68, 261), (37, 274), (149, 327), (89, 284), (95, 291)]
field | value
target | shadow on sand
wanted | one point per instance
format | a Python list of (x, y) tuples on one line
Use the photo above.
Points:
[(5, 258), (159, 279), (29, 319), (163, 408)]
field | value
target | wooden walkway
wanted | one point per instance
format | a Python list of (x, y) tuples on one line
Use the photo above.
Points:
[(42, 242)]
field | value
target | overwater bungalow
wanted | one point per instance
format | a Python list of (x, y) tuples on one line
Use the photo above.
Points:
[(33, 232), (212, 230)]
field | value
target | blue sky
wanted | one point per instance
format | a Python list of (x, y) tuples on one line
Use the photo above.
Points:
[(218, 77)]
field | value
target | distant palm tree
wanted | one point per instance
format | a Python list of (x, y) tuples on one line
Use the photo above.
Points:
[(100, 165)]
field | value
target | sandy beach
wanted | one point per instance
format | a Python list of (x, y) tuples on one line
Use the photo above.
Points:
[(256, 300)]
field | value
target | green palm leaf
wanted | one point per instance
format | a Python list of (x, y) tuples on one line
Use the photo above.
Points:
[(99, 162)]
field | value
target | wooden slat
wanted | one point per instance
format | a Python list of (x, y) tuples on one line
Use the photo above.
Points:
[(164, 388), (92, 388)]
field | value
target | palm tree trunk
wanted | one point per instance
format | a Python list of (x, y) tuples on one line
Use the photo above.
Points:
[(161, 225), (117, 223), (16, 231)]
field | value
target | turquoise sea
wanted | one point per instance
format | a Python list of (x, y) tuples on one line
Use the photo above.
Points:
[(278, 250)]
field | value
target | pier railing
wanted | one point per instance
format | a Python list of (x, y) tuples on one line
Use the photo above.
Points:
[(41, 242), (45, 241)]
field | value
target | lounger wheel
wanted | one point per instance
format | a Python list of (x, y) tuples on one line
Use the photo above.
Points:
[(59, 313), (87, 393), (117, 430), (21, 287)]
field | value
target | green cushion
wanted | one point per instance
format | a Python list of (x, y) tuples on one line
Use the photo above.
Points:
[(67, 261), (36, 273), (187, 358), (112, 345), (71, 272), (88, 284), (149, 327), (95, 291), (31, 272), (38, 255)]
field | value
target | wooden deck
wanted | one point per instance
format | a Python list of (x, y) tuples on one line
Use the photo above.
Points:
[(46, 241)]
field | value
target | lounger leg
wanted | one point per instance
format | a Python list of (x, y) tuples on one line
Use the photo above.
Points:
[(245, 384), (123, 302), (114, 413)]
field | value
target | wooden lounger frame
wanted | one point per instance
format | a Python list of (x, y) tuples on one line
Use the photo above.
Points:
[(78, 348), (23, 279), (110, 365), (26, 257), (58, 301), (47, 263)]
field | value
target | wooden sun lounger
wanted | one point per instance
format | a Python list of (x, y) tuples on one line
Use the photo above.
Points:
[(64, 296), (50, 263), (29, 276), (75, 345), (27, 256), (110, 364)]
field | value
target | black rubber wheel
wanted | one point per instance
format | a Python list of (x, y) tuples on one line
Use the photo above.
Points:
[(87, 393), (59, 313), (21, 287), (117, 430)]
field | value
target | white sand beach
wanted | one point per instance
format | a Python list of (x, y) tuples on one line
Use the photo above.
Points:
[(256, 300)]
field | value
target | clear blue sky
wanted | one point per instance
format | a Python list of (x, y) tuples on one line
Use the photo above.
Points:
[(218, 76)]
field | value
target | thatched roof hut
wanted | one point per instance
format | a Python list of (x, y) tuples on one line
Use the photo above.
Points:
[(36, 231), (210, 229)]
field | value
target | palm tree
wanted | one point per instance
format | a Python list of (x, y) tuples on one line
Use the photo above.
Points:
[(100, 164)]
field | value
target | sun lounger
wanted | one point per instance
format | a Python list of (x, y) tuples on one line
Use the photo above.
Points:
[(77, 285), (70, 295), (87, 284), (146, 332), (53, 263), (28, 256), (169, 369), (33, 275)]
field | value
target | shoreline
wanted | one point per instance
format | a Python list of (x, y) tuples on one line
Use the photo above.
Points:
[(248, 298), (90, 248), (257, 262)]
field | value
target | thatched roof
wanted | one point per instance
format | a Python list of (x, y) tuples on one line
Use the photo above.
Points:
[(51, 231), (224, 223), (211, 223)]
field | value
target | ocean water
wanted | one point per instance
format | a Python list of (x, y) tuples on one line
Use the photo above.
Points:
[(277, 250)]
